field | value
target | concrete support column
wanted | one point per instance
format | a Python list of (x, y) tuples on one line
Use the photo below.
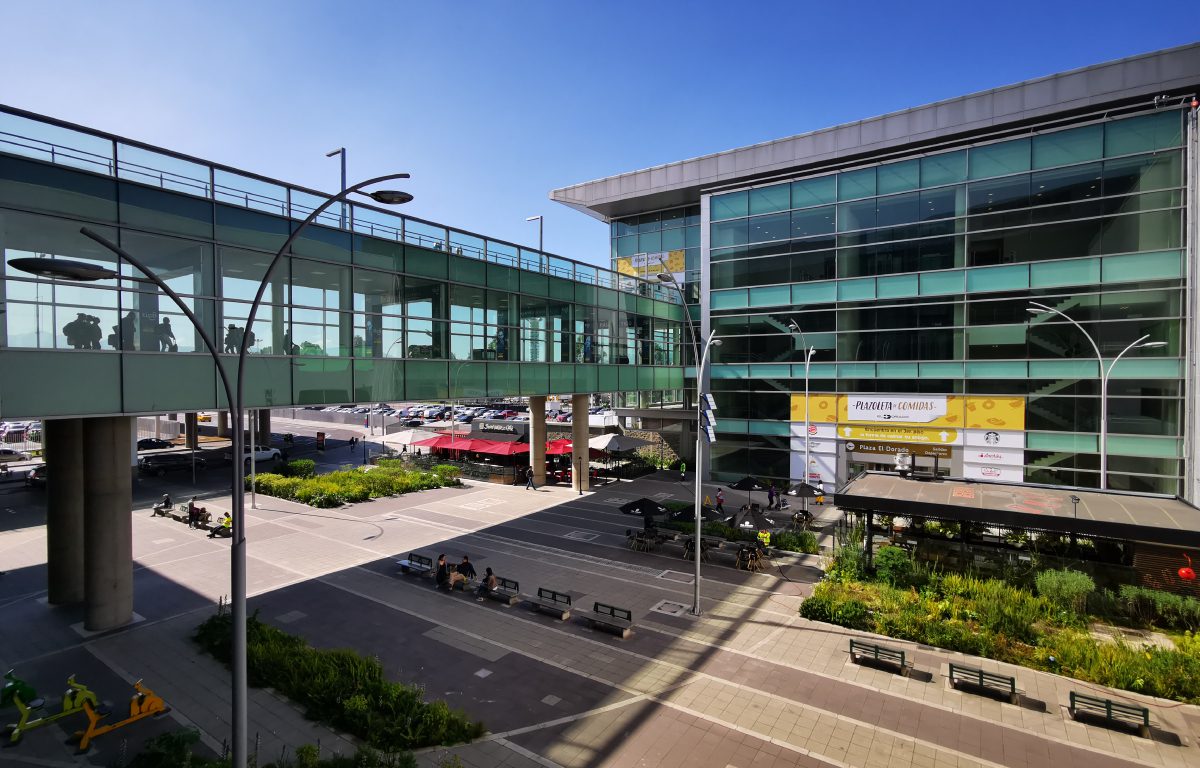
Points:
[(64, 510), (190, 425), (223, 424), (537, 438), (579, 438), (107, 523), (264, 427)]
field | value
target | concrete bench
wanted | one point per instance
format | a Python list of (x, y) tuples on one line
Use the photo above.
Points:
[(416, 563), (556, 604), (1111, 712), (618, 621), (988, 681), (860, 650), (507, 591)]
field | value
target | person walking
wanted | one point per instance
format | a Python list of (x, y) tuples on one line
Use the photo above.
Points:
[(682, 471), (771, 495), (529, 479), (721, 501)]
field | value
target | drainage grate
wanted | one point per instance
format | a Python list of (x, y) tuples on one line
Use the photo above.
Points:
[(679, 576), (670, 608), (581, 536)]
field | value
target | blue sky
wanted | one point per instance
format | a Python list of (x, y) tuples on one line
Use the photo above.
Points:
[(490, 105)]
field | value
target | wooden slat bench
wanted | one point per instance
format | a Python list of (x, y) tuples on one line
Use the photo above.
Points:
[(991, 681), (507, 591), (1111, 712), (618, 621), (549, 601), (860, 650), (416, 563)]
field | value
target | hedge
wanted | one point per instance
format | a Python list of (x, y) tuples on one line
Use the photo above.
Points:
[(351, 484)]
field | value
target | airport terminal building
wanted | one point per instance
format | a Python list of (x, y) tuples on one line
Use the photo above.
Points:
[(908, 250)]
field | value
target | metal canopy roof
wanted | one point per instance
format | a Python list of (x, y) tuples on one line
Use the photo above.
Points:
[(1107, 514), (1136, 79)]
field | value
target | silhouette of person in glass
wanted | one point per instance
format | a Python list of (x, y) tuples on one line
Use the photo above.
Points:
[(124, 335), (233, 339), (93, 332), (77, 332), (166, 336)]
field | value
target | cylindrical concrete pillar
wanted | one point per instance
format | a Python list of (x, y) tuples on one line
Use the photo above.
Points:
[(579, 442), (264, 427), (222, 423), (107, 523), (64, 510), (190, 426), (537, 438)]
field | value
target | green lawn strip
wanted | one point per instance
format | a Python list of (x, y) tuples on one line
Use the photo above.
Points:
[(340, 688), (997, 620), (390, 477)]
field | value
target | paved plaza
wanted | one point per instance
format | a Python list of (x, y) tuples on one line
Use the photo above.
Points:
[(748, 684)]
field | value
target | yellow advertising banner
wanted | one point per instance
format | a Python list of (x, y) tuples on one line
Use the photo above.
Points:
[(995, 413), (936, 435), (954, 411), (824, 408), (645, 264)]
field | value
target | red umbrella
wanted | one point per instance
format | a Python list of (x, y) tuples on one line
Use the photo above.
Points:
[(558, 447)]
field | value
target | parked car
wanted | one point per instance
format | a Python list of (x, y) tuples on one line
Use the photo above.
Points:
[(8, 454), (261, 453), (153, 444), (162, 463), (36, 477)]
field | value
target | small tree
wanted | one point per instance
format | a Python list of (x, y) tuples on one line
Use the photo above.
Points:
[(1066, 589), (894, 565)]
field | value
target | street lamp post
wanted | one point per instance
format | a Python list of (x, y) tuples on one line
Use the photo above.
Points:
[(808, 355), (235, 395), (1105, 374), (541, 231), (701, 360), (341, 153)]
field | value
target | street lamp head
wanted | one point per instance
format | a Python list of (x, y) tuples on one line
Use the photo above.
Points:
[(334, 152), (64, 269), (1033, 311), (533, 218), (794, 327), (716, 342), (1152, 345), (665, 277), (390, 196)]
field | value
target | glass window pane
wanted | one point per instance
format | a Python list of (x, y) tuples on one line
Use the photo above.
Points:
[(1077, 145), (627, 246), (673, 239), (943, 203), (770, 199), (856, 184), (622, 227), (728, 233), (851, 216), (1066, 185), (813, 221), (650, 242), (775, 226), (1143, 134), (730, 206), (650, 222), (897, 209), (946, 168), (818, 191), (998, 195), (999, 159), (673, 219), (899, 177), (1141, 174)]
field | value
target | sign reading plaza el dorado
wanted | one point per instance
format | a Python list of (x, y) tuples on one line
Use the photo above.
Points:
[(919, 419)]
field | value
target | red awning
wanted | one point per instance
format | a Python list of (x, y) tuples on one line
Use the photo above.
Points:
[(448, 442), (499, 448), (558, 447)]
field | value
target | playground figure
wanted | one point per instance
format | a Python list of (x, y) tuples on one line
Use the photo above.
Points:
[(77, 698)]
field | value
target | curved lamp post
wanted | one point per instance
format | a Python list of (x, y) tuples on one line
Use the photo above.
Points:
[(235, 396), (808, 356), (1105, 374), (701, 360)]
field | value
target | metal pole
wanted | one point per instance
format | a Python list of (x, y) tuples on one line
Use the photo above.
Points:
[(253, 457), (699, 464), (541, 239), (1105, 375), (808, 353)]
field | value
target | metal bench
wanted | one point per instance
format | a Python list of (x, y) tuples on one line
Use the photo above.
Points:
[(618, 621), (860, 650), (1111, 712), (991, 681), (507, 591), (416, 563), (556, 604)]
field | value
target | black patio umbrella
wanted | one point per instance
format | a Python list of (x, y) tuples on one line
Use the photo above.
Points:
[(644, 507), (805, 491), (748, 484)]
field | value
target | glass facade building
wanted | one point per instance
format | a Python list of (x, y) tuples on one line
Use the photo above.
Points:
[(911, 270), (371, 307)]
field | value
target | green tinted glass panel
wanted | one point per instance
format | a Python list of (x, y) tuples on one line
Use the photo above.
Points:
[(856, 290), (1077, 145), (1136, 267), (425, 262), (468, 380), (855, 184), (722, 371), (897, 286), (626, 246), (856, 370), (818, 191), (607, 380), (503, 379), (426, 380), (535, 379), (317, 379), (1148, 368), (650, 242), (1060, 441), (31, 185), (1063, 369), (1143, 134), (899, 177), (156, 209), (1132, 445), (730, 206), (239, 226), (946, 168), (941, 370), (996, 369), (374, 252), (1004, 278), (771, 296), (1049, 274), (673, 239), (941, 283), (562, 378), (999, 159), (735, 299), (586, 378), (727, 233), (377, 381), (897, 370), (814, 293), (1142, 232), (774, 428), (770, 199)]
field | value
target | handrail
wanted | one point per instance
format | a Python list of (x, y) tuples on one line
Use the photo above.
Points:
[(113, 165)]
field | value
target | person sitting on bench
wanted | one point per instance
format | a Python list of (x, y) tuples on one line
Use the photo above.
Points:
[(487, 585), (441, 578), (193, 513), (224, 527), (464, 573), (161, 507)]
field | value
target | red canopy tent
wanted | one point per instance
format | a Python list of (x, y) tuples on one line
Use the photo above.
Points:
[(558, 447), (499, 448), (448, 441)]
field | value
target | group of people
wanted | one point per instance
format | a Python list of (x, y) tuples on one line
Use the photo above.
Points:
[(84, 333), (196, 515), (235, 336), (446, 577)]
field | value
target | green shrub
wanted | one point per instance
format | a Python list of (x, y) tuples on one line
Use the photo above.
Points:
[(1163, 609), (849, 563), (353, 484), (894, 565), (340, 688), (803, 541), (817, 607), (1067, 590), (447, 473), (299, 468)]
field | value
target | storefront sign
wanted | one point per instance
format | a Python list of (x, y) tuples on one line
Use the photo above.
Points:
[(992, 472), (822, 469), (882, 409), (815, 431), (994, 438), (934, 435), (517, 429), (1008, 457), (916, 449)]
